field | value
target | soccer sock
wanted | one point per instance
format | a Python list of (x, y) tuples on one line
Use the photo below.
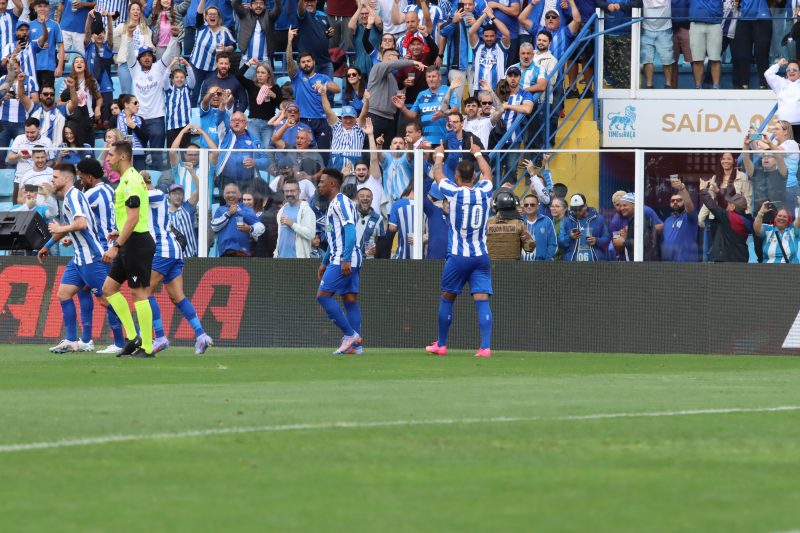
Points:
[(86, 300), (70, 319), (116, 327), (144, 315), (190, 315), (120, 305), (445, 319), (485, 322), (336, 315), (157, 324), (353, 315)]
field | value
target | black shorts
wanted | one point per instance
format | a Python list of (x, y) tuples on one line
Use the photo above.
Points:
[(134, 261)]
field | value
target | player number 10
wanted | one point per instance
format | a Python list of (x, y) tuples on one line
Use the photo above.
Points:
[(472, 215)]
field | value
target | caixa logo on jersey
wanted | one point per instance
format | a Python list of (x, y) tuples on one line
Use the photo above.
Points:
[(30, 310), (622, 125)]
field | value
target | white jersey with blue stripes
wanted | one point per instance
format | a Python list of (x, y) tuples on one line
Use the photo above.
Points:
[(204, 53), (341, 212), (166, 245), (469, 212), (86, 242), (101, 202)]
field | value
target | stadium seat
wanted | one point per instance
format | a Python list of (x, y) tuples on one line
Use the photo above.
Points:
[(6, 206), (7, 183)]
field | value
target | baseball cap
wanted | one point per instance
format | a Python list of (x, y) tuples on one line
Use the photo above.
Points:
[(552, 11), (21, 23), (145, 50), (175, 187), (291, 105), (349, 111), (628, 197), (739, 201), (576, 201), (513, 69), (416, 38)]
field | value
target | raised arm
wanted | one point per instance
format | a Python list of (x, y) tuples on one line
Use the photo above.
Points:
[(524, 17), (486, 170), (501, 27), (473, 30), (291, 64), (575, 24), (326, 105), (680, 188), (374, 162), (353, 22)]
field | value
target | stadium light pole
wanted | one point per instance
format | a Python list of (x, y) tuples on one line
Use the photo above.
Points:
[(416, 249), (638, 207), (203, 205)]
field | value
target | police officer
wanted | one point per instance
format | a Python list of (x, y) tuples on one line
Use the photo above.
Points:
[(507, 233)]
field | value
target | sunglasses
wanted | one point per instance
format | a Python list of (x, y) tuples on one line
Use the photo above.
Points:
[(551, 17), (48, 94), (528, 205), (487, 103), (352, 74), (792, 69)]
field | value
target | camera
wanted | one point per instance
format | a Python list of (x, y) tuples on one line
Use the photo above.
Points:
[(755, 137), (770, 206)]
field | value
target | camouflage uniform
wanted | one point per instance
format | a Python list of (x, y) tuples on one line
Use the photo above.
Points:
[(507, 236), (617, 61)]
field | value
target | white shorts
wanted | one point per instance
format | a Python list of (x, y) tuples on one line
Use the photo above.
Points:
[(705, 40), (73, 41)]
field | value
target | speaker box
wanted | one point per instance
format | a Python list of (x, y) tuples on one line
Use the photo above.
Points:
[(22, 230)]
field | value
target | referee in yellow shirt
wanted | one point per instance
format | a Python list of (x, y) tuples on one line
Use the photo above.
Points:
[(131, 256)]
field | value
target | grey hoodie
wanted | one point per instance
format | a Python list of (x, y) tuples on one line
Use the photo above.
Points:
[(383, 85)]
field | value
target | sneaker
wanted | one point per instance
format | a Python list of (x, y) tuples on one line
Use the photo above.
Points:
[(349, 345), (483, 352), (130, 346), (65, 346), (204, 342), (86, 346), (436, 349), (112, 349), (141, 354), (159, 344)]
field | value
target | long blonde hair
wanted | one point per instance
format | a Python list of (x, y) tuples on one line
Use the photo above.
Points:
[(270, 74)]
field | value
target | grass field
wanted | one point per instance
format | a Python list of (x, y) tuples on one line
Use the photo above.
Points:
[(297, 440)]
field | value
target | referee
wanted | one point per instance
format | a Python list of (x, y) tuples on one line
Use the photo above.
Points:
[(131, 256)]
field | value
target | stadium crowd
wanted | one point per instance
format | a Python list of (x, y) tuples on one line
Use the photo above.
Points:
[(353, 85)]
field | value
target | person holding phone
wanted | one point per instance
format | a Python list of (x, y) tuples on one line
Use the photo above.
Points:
[(780, 239), (21, 152), (768, 179), (583, 235)]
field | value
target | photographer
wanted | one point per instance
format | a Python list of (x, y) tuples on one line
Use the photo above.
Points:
[(779, 239), (768, 179)]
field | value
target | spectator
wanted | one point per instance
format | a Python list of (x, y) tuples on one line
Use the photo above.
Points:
[(365, 27), (50, 58), (24, 50), (288, 125), (306, 88), (583, 235), (73, 148), (753, 35), (705, 39), (162, 19), (52, 117), (182, 217), (12, 109), (540, 186), (507, 235), (544, 58), (617, 52), (131, 34), (787, 90), (7, 22), (354, 88), (240, 155), (729, 180), (264, 97), (411, 18), (533, 77), (541, 230), (369, 174), (680, 36), (339, 13), (518, 102), (348, 137), (73, 21), (489, 55), (113, 135), (396, 170), (657, 38), (213, 114), (768, 180), (456, 142), (558, 210), (407, 76), (730, 240), (680, 227), (370, 224), (212, 38), (90, 102), (297, 224), (266, 209), (130, 125), (401, 222), (313, 33), (39, 175), (255, 29), (21, 152), (383, 88), (783, 139), (30, 195), (483, 113), (386, 10), (623, 244), (99, 45), (233, 239), (185, 173), (222, 78), (427, 106), (779, 239), (287, 172), (386, 44), (304, 159), (456, 34), (178, 84)]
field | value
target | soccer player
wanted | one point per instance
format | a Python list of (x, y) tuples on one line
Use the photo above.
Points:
[(168, 266), (468, 258), (86, 268), (131, 256), (100, 196), (338, 273)]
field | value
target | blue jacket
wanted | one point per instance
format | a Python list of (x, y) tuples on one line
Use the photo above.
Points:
[(544, 233), (579, 249)]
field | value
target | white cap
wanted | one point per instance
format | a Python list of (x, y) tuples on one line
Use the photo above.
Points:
[(576, 201)]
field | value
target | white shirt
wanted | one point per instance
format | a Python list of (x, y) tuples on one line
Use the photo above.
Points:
[(481, 127), (22, 143), (788, 93), (374, 184), (147, 85), (307, 189)]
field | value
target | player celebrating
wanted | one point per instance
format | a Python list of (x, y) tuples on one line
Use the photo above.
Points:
[(468, 257), (86, 268), (131, 256), (338, 273), (168, 266)]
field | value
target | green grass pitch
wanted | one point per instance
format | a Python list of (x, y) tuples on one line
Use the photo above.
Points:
[(396, 440)]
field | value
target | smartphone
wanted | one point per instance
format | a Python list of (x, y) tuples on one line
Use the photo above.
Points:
[(460, 5), (24, 152), (771, 206), (31, 188), (674, 176), (755, 137)]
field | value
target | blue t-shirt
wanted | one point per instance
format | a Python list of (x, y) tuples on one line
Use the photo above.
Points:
[(308, 100), (426, 105), (287, 241), (438, 233), (680, 238), (707, 11), (100, 74), (311, 36), (74, 21), (210, 120), (511, 22), (46, 57)]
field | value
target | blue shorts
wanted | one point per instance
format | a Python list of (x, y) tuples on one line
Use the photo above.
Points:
[(92, 275), (169, 268), (334, 282), (460, 270)]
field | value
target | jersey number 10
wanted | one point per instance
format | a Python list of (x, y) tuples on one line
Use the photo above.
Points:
[(472, 215)]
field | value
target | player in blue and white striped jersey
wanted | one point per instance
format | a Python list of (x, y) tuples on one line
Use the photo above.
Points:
[(338, 273), (168, 266), (468, 258), (401, 221), (85, 270), (182, 216)]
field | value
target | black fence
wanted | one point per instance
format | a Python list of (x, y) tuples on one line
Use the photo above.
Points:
[(553, 307)]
